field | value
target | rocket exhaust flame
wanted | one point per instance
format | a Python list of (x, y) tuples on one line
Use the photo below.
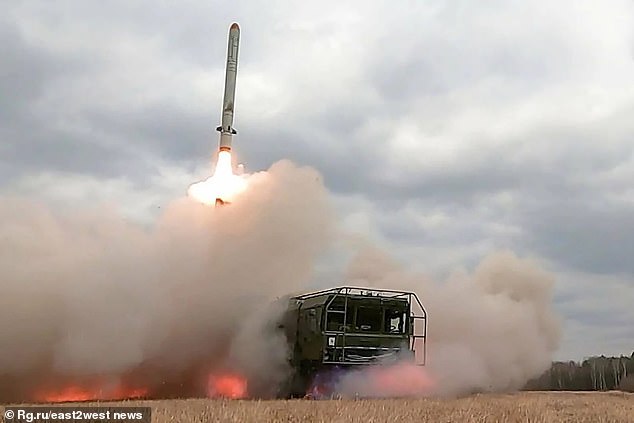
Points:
[(223, 185)]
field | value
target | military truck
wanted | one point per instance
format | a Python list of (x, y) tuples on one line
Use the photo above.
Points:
[(347, 327)]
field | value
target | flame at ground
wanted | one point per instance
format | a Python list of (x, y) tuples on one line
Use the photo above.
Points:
[(223, 184), (381, 381), (227, 385), (74, 393), (399, 381)]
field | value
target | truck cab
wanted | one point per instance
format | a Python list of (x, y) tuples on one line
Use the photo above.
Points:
[(346, 327)]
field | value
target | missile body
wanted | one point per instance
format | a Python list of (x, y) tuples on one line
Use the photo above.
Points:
[(226, 128)]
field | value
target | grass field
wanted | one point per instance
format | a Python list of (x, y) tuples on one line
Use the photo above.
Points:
[(531, 407)]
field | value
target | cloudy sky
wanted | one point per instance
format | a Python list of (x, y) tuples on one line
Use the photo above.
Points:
[(444, 129)]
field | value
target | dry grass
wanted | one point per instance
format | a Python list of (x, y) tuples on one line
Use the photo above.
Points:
[(531, 407)]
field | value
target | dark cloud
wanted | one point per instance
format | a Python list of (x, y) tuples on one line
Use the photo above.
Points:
[(160, 130), (25, 72), (32, 141), (589, 235)]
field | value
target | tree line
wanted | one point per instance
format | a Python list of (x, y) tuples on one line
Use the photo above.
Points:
[(599, 373)]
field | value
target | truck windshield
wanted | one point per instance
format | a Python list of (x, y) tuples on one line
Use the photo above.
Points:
[(335, 319), (368, 319), (362, 317), (394, 321)]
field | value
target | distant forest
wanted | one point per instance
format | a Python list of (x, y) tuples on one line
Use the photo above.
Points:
[(592, 374)]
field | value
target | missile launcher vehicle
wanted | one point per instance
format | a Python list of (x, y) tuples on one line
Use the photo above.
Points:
[(348, 327)]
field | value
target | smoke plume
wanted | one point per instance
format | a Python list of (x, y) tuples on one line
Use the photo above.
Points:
[(94, 296), (493, 330)]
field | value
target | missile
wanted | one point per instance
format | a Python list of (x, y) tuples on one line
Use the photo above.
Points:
[(226, 127)]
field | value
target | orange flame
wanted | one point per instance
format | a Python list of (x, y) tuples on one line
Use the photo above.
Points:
[(76, 393), (223, 184), (227, 386), (382, 381), (401, 381)]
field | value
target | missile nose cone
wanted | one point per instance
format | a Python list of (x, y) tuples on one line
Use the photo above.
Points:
[(235, 26)]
